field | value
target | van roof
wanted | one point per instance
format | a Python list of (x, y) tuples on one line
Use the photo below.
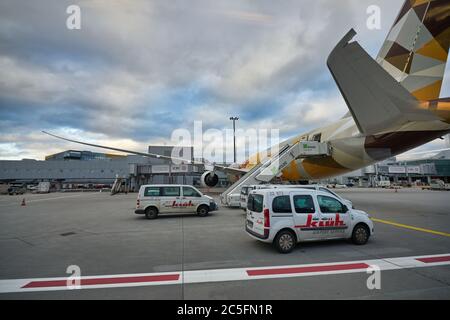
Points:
[(284, 185), (166, 185), (287, 190)]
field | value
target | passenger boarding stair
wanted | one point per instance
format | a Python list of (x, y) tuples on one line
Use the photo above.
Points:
[(118, 185), (271, 167)]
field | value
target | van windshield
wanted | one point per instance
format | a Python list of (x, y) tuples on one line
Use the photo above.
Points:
[(329, 191), (255, 202), (244, 191)]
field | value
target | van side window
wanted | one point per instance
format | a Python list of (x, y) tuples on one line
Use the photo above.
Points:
[(189, 192), (330, 205), (152, 192), (255, 202), (304, 204), (171, 191), (282, 204)]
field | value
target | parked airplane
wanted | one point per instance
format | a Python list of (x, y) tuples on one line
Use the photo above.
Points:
[(393, 101)]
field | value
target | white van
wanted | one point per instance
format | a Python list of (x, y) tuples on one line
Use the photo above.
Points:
[(155, 199), (383, 184), (247, 189), (285, 217)]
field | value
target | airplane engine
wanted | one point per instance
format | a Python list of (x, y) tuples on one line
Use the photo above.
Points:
[(209, 179)]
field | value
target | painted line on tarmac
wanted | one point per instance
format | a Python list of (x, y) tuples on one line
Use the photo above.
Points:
[(396, 224), (39, 200), (221, 275), (105, 281)]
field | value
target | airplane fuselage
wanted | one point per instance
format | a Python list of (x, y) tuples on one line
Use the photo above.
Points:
[(352, 150)]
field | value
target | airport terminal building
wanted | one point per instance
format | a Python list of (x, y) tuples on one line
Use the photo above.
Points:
[(72, 167), (410, 172)]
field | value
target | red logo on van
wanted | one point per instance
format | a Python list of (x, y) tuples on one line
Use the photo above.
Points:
[(183, 204), (336, 223)]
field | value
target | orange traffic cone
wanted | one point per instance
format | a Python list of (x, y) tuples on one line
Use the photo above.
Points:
[(23, 203)]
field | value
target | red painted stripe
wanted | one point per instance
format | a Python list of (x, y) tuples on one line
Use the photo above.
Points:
[(332, 267), (97, 281), (434, 259)]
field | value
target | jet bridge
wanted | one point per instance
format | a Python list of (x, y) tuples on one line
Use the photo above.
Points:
[(272, 166)]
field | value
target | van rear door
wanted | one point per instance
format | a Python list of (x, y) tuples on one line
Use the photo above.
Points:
[(149, 196), (257, 222)]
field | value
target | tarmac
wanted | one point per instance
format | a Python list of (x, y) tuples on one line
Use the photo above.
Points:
[(190, 257)]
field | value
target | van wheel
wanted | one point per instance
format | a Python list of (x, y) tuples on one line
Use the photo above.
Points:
[(203, 211), (151, 213), (285, 241), (360, 235)]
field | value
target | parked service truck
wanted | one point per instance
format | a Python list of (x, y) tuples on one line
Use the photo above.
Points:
[(43, 187), (4, 188), (383, 184), (439, 185)]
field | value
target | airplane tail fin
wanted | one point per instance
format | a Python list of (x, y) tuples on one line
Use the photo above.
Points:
[(376, 101), (416, 49)]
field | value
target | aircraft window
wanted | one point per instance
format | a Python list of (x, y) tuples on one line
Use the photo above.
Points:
[(304, 204), (317, 137), (282, 204)]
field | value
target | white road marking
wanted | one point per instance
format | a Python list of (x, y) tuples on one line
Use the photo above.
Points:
[(223, 275), (19, 199)]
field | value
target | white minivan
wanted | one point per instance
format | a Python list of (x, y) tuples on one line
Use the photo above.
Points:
[(285, 217), (155, 199)]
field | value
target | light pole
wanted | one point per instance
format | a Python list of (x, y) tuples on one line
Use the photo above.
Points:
[(234, 119)]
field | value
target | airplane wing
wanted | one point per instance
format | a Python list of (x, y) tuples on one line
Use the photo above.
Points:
[(207, 166)]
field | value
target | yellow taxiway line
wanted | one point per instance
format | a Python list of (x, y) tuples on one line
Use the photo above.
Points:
[(411, 227)]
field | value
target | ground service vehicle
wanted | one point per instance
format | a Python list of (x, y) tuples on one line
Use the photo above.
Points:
[(439, 185), (383, 184), (285, 217), (4, 187), (157, 199), (16, 189), (43, 187)]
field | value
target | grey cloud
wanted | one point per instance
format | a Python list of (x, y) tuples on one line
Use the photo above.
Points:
[(116, 76)]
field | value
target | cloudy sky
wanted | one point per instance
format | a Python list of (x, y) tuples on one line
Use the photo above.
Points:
[(137, 70)]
